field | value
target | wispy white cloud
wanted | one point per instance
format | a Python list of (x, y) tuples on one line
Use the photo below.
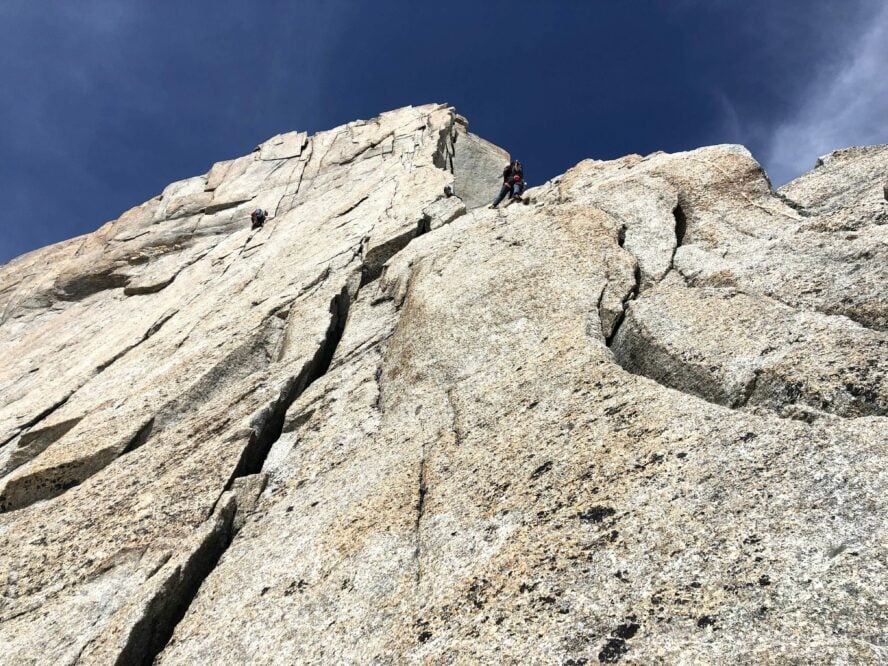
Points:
[(846, 104)]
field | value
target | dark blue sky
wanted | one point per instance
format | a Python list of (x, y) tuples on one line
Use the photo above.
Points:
[(108, 101)]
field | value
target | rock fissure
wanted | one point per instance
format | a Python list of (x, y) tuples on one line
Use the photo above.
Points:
[(269, 423), (152, 330), (142, 436), (379, 255), (225, 205), (152, 288), (681, 228), (29, 425), (50, 482), (796, 206), (352, 207), (632, 295), (422, 489), (266, 428), (152, 632)]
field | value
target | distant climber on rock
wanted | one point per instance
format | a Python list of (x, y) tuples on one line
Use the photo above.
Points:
[(257, 217), (513, 183)]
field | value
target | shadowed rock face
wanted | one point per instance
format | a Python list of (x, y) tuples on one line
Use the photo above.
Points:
[(640, 419)]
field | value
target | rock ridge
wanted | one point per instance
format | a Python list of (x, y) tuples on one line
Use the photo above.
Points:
[(641, 419)]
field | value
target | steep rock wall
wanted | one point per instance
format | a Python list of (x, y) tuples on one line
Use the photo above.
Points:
[(641, 419)]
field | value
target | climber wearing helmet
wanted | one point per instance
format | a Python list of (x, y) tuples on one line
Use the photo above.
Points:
[(257, 217), (513, 183)]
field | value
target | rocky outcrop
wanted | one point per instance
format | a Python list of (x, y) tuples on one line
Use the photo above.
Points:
[(641, 419)]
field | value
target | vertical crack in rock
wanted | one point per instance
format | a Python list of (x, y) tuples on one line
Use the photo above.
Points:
[(748, 390), (681, 228), (420, 509), (269, 423), (443, 157), (422, 486), (148, 636), (168, 607), (424, 225), (48, 483), (62, 478), (454, 424), (633, 293), (681, 225)]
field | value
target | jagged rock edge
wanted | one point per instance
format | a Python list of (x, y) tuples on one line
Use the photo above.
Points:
[(680, 230)]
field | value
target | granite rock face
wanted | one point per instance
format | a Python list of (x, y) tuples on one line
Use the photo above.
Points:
[(641, 419)]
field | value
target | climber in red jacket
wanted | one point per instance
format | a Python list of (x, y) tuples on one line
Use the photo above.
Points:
[(513, 183)]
